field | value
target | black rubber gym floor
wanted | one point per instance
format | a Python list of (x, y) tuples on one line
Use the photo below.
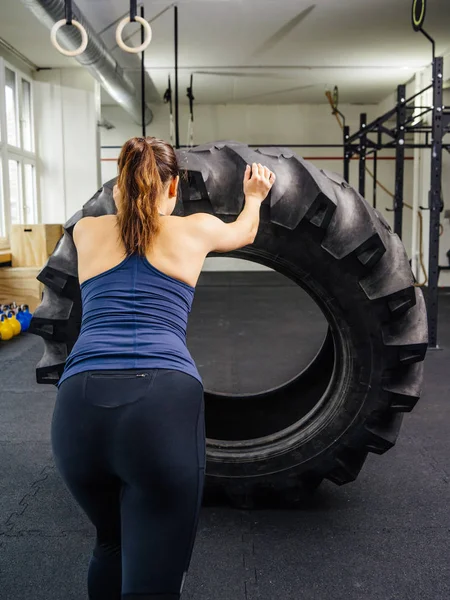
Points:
[(384, 537)]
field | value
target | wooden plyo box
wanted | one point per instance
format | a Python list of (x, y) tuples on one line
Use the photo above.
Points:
[(21, 286), (5, 256), (31, 245)]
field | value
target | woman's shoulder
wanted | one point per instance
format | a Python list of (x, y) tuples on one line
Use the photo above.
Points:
[(192, 223), (93, 227), (87, 223)]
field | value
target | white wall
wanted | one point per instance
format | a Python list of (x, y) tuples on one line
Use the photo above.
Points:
[(66, 141), (262, 124), (126, 128)]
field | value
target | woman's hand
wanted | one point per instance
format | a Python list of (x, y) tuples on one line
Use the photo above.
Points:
[(258, 181)]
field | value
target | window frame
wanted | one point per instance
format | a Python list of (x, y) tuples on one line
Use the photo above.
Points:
[(9, 152)]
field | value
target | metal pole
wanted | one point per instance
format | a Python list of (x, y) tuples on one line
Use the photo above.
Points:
[(346, 154), (362, 154), (177, 114), (435, 202), (143, 103), (375, 170), (373, 126), (400, 160)]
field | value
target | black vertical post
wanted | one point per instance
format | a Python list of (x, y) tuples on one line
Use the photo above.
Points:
[(375, 175), (144, 128), (68, 12), (347, 154), (400, 160), (435, 201), (177, 113), (362, 154)]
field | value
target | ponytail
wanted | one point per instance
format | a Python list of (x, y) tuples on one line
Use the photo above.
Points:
[(146, 166)]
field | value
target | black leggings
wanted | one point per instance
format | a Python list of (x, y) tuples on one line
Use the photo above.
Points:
[(130, 446)]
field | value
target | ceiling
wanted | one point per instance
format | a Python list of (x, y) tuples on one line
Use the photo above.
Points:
[(261, 51)]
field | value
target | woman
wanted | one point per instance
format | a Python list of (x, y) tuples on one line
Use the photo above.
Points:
[(128, 427)]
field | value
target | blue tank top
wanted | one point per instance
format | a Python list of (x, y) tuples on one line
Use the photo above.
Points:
[(134, 317)]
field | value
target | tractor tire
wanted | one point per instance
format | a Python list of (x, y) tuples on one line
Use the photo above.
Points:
[(267, 449)]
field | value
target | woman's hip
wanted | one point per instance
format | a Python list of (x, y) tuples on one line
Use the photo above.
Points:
[(158, 413), (112, 388)]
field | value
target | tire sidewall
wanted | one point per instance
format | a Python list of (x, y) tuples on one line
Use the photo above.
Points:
[(356, 387)]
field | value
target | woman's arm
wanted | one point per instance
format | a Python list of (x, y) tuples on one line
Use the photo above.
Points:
[(215, 235)]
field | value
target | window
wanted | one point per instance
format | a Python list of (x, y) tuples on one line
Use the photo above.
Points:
[(2, 209), (11, 107), (18, 198), (27, 132), (30, 204), (15, 192)]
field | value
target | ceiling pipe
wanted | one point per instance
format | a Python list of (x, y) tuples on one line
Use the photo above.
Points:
[(96, 58)]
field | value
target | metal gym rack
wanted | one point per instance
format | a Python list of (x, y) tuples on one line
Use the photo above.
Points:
[(371, 138)]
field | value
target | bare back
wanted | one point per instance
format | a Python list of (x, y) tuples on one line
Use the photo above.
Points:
[(176, 250)]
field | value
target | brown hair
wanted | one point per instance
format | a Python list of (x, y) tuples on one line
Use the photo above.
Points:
[(146, 166)]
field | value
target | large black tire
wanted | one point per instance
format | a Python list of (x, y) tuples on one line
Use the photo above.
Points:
[(322, 234)]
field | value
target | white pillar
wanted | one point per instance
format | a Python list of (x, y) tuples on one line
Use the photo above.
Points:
[(422, 165), (415, 265)]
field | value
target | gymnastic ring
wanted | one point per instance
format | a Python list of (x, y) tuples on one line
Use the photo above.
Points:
[(419, 9), (148, 35), (84, 38)]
